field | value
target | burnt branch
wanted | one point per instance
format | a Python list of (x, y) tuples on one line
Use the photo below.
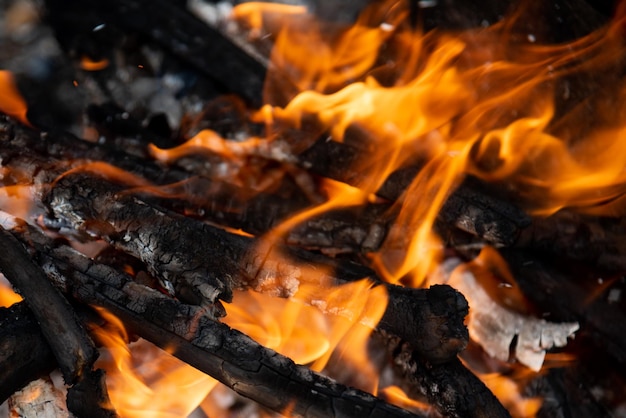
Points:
[(25, 354), (451, 387), (202, 263), (226, 354), (72, 347)]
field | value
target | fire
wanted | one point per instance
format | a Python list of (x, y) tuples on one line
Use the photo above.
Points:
[(12, 103), (144, 381), (315, 324), (479, 102), (397, 396), (7, 296)]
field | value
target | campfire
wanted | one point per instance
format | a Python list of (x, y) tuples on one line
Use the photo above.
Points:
[(385, 208)]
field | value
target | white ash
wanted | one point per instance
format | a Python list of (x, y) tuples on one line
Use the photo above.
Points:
[(495, 327)]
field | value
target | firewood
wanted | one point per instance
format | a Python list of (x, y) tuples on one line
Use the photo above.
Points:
[(451, 387), (25, 354), (201, 264), (469, 208), (73, 349), (540, 278), (194, 337), (203, 47), (40, 398), (90, 398)]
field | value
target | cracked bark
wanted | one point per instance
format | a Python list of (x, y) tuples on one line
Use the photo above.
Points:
[(72, 347), (204, 263), (194, 337)]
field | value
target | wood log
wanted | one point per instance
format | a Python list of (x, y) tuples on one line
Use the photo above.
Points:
[(25, 354), (468, 209), (72, 347), (541, 278), (194, 337), (451, 387), (201, 264), (171, 26)]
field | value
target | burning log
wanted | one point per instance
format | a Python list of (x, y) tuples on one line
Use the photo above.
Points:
[(25, 354), (74, 351), (455, 390), (469, 208), (226, 354), (202, 264)]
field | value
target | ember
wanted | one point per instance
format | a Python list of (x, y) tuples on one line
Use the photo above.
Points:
[(351, 208)]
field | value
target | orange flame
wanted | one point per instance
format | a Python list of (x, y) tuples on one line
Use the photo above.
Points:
[(397, 396), (11, 101), (479, 102), (143, 380), (7, 295), (315, 324)]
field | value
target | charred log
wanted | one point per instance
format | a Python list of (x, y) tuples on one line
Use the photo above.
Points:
[(25, 354), (72, 347), (226, 354), (451, 387), (201, 264), (89, 397)]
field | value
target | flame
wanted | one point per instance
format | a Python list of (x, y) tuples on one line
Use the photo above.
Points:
[(506, 389), (7, 295), (397, 396), (11, 101), (145, 381), (315, 324), (479, 102)]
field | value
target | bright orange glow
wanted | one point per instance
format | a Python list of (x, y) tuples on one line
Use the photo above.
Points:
[(315, 324), (506, 389), (108, 171), (396, 396), (480, 102), (11, 101), (205, 140), (88, 64), (268, 16), (7, 295), (144, 381)]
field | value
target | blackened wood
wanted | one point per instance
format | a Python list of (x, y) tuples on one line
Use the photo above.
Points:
[(450, 387), (175, 29), (24, 355), (469, 208), (597, 241), (564, 291), (194, 337), (72, 347), (202, 263), (89, 397)]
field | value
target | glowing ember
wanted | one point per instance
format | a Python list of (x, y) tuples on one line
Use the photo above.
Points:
[(88, 64)]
